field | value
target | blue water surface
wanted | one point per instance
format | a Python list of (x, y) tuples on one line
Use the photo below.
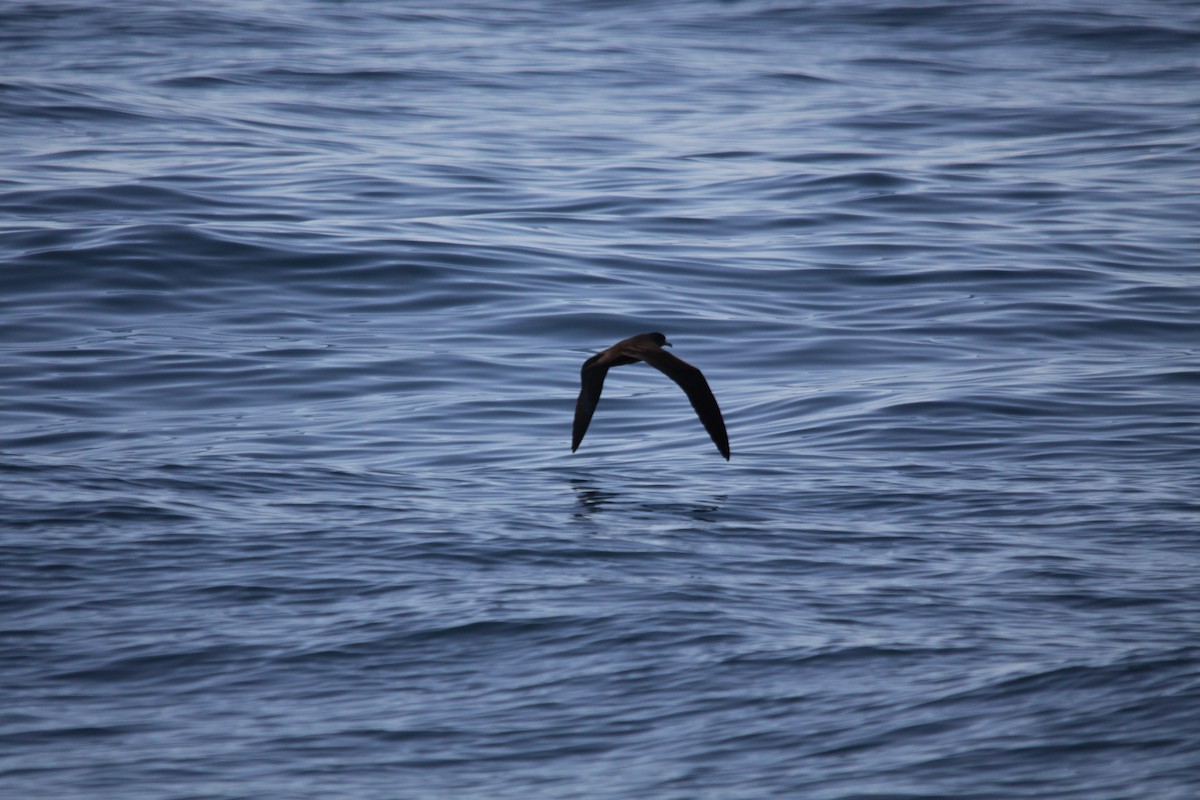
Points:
[(293, 301)]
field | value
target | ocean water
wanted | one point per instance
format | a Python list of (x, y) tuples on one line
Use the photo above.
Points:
[(293, 301)]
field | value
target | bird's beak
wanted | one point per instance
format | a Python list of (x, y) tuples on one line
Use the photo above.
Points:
[(667, 344)]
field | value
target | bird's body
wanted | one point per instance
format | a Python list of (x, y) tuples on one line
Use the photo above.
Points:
[(647, 347)]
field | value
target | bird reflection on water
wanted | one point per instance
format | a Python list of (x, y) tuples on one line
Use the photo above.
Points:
[(593, 499)]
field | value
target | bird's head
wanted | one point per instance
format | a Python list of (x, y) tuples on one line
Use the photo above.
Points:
[(659, 339)]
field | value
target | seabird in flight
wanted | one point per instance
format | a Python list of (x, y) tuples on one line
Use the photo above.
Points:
[(647, 347)]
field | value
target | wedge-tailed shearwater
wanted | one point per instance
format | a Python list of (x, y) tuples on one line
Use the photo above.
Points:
[(647, 347)]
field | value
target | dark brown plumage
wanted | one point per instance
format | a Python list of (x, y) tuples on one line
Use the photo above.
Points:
[(647, 347)]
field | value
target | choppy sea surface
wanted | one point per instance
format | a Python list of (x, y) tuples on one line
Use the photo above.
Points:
[(293, 301)]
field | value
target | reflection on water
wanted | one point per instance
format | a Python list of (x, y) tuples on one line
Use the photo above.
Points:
[(592, 499)]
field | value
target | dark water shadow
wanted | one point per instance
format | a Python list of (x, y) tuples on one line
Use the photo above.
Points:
[(594, 499)]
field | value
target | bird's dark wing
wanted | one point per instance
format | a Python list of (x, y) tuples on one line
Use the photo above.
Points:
[(691, 380), (591, 378)]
